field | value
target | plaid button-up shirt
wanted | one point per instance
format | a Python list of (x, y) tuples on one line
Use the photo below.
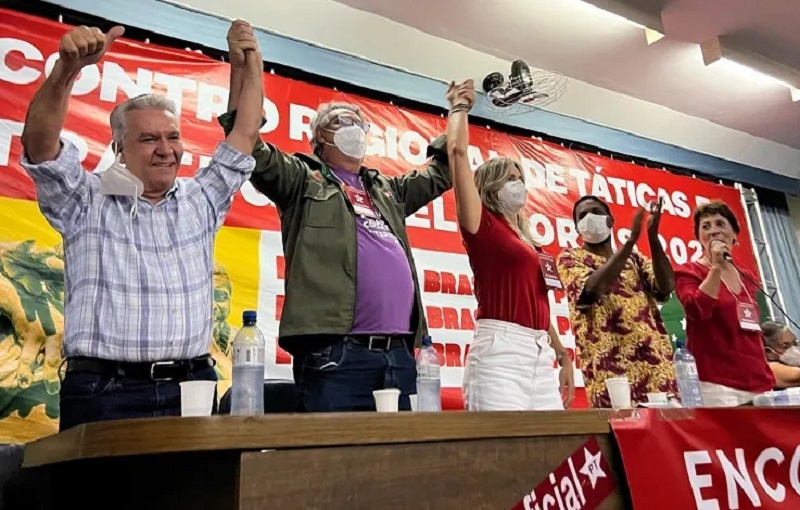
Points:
[(138, 287)]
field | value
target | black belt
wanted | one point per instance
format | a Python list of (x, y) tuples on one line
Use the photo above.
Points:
[(378, 342), (171, 370)]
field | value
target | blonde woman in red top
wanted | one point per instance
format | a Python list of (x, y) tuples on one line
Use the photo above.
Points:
[(511, 361), (722, 315)]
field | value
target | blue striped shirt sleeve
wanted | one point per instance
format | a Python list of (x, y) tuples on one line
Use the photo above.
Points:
[(223, 177), (63, 187)]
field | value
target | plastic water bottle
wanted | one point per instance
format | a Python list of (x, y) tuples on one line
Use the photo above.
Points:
[(687, 379), (429, 382), (787, 397), (247, 391)]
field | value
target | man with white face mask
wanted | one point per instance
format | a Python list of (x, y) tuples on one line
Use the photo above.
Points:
[(138, 241), (613, 299), (352, 312), (783, 354)]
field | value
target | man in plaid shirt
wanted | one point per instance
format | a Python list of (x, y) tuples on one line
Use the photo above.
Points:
[(138, 241)]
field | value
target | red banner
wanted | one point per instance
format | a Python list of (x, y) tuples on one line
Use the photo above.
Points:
[(582, 482), (556, 177), (712, 459)]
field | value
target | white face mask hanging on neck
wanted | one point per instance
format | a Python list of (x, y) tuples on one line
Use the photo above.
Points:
[(117, 180)]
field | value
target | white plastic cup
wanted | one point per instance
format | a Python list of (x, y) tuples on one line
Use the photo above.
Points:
[(413, 400), (387, 401), (619, 390), (197, 398), (657, 398)]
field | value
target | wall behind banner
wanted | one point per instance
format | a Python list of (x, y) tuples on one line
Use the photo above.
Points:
[(249, 270)]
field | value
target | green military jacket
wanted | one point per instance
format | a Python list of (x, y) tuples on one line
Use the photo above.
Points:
[(319, 233)]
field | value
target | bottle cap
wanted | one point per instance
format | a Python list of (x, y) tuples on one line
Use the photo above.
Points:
[(249, 316), (426, 340), (680, 344)]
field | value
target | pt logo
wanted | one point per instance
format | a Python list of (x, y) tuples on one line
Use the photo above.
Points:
[(591, 467), (581, 482)]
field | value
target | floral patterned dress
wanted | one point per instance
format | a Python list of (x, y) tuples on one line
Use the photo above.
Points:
[(621, 333)]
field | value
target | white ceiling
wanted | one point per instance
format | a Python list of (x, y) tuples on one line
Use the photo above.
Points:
[(587, 44)]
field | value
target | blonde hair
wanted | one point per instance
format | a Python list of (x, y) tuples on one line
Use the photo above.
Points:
[(489, 179)]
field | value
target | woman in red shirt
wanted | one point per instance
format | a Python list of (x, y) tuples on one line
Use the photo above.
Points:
[(722, 315), (510, 365)]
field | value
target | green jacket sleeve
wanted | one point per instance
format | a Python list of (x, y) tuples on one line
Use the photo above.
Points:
[(278, 176), (419, 188)]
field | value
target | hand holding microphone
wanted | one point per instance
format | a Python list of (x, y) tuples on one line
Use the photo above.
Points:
[(720, 253)]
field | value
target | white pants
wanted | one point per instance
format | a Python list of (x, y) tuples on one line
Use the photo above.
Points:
[(510, 368), (717, 395)]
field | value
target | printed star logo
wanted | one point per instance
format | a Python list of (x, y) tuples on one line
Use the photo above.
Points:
[(548, 267), (683, 323), (748, 314), (674, 338), (359, 199), (591, 467)]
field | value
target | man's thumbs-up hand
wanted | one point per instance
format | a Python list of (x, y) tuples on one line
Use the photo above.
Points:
[(83, 46)]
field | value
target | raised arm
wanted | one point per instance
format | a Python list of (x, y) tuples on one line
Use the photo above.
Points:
[(468, 201), (278, 176), (80, 47), (244, 134), (238, 36), (663, 273), (418, 188), (232, 165), (597, 284), (63, 187)]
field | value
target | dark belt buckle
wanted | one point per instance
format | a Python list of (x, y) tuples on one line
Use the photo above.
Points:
[(160, 363), (375, 342)]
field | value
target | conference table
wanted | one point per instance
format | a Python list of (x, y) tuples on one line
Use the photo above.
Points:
[(443, 461)]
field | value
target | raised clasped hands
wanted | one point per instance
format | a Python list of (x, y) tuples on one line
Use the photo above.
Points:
[(242, 43), (461, 94)]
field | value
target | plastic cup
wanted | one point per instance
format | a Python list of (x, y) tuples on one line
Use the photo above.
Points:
[(619, 390), (413, 400), (657, 398), (387, 401), (197, 398)]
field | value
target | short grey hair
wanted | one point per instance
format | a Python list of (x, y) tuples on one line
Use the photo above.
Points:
[(772, 331), (141, 102), (324, 118)]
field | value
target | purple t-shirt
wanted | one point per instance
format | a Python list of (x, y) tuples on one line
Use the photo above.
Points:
[(384, 284)]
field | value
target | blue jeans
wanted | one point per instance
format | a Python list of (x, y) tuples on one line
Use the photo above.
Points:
[(90, 397), (342, 377)]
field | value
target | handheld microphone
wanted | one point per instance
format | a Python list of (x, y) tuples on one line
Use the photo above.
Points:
[(726, 255)]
